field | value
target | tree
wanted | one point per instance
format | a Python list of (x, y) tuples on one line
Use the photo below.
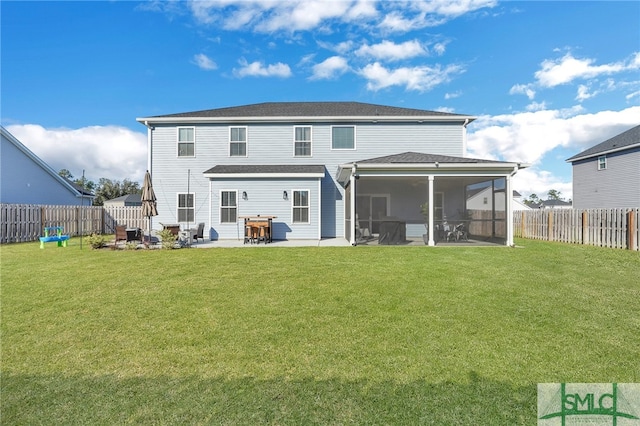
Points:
[(532, 200), (84, 183), (108, 189), (65, 174), (554, 195)]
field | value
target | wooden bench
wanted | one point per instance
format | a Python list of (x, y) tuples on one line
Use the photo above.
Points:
[(54, 234)]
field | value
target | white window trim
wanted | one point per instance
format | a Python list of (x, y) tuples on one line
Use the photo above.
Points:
[(220, 206), (178, 208), (310, 141), (355, 138), (246, 142), (600, 165), (178, 142), (293, 191)]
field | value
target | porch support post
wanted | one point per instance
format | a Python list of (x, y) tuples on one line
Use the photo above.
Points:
[(509, 207), (431, 233), (352, 206)]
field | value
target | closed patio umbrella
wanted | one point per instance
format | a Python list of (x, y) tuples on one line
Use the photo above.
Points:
[(148, 198)]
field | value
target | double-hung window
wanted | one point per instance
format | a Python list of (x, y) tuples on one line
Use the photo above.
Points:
[(228, 207), (186, 141), (302, 141), (300, 206), (343, 137), (238, 142), (186, 209), (602, 162)]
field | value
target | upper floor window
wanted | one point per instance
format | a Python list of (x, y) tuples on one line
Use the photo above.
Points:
[(602, 162), (302, 141), (228, 207), (343, 137), (301, 206), (186, 207), (238, 142), (186, 141)]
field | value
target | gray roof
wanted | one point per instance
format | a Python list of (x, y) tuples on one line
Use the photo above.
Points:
[(311, 109), (128, 198), (624, 139), (263, 169), (419, 158)]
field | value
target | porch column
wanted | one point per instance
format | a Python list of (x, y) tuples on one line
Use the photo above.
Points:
[(509, 208), (431, 240), (352, 206)]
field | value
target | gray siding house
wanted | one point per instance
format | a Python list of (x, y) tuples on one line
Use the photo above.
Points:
[(26, 179), (607, 175), (317, 166)]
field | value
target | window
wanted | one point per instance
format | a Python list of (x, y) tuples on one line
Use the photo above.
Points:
[(343, 137), (602, 162), (186, 141), (228, 207), (302, 142), (186, 210), (300, 206), (238, 141)]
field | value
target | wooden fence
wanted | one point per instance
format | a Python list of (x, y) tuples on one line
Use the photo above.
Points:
[(26, 222), (615, 228)]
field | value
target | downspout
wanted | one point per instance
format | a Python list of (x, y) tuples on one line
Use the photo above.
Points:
[(149, 147), (352, 206), (464, 137)]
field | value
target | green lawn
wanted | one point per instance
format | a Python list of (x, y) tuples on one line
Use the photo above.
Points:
[(335, 335)]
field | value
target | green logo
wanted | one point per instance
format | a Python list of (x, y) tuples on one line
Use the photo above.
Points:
[(566, 404)]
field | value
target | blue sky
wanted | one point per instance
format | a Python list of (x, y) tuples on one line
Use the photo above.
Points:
[(546, 79)]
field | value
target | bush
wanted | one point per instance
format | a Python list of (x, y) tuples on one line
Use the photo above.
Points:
[(168, 239), (96, 241)]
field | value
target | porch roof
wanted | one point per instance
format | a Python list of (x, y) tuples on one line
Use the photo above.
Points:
[(265, 170), (416, 163)]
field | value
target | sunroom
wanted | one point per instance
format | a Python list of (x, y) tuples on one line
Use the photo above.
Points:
[(428, 198)]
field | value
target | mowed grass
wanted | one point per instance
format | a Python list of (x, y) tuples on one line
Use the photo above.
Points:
[(335, 335)]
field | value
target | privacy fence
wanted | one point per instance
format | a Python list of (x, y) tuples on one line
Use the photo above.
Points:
[(615, 228), (26, 222)]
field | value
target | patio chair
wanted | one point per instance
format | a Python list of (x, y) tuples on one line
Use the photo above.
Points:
[(461, 232), (362, 234), (198, 233), (121, 233)]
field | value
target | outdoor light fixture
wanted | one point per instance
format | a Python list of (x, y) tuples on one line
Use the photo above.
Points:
[(244, 195), (285, 196)]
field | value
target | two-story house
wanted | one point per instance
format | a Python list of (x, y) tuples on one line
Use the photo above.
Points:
[(607, 175), (316, 166)]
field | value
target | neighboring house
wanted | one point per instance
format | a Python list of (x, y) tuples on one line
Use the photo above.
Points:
[(316, 166), (552, 204), (125, 200), (482, 199), (607, 175), (26, 179)]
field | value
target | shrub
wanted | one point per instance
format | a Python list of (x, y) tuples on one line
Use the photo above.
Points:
[(96, 241), (168, 239)]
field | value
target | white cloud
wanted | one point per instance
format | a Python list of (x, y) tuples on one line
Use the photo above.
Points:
[(258, 69), (269, 16), (111, 152), (453, 95), (584, 93), (390, 51), (204, 62), (330, 68), (566, 69), (524, 89), (537, 106), (419, 78)]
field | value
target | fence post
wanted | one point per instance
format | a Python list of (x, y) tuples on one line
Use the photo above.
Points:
[(630, 230), (550, 225)]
